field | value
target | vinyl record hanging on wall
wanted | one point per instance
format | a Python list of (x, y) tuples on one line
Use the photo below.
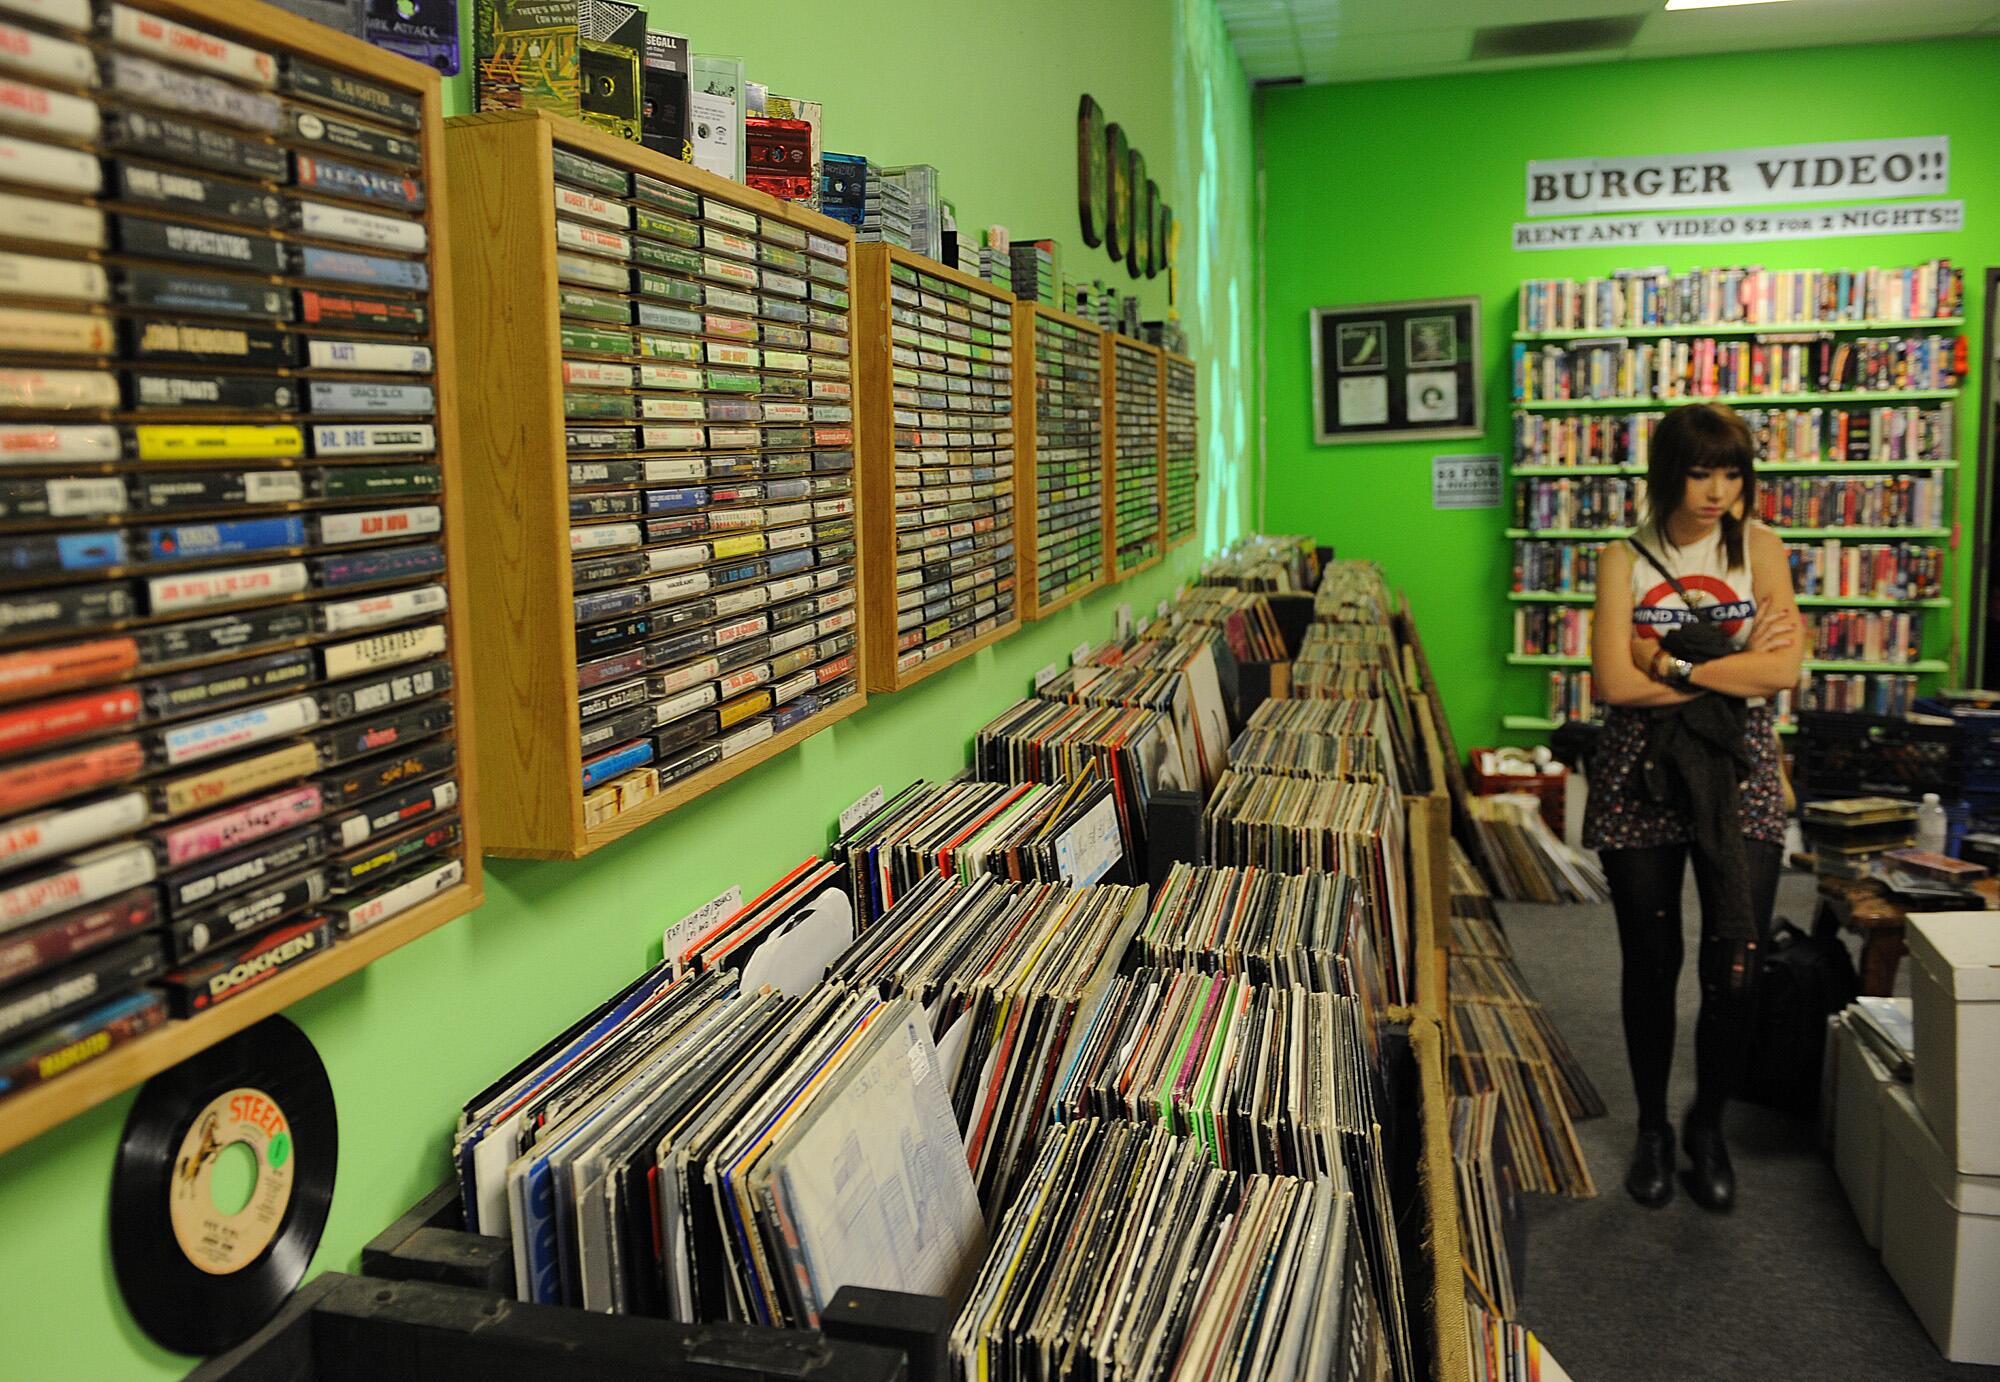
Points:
[(1155, 241), (1093, 178), (1118, 225), (201, 1273), (1142, 219)]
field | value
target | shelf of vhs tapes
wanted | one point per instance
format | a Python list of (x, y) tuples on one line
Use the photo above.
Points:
[(1059, 436), (664, 480), (1849, 383), (934, 401), (1134, 465), (1183, 464), (233, 612)]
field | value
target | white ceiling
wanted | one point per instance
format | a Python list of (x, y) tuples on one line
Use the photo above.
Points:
[(1363, 40)]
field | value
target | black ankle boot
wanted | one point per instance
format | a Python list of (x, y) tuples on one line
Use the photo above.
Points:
[(1711, 1180), (1650, 1180)]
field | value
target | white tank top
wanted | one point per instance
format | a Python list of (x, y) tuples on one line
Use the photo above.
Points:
[(1722, 594)]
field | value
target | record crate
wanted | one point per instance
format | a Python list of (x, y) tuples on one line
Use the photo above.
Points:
[(1182, 446), (222, 539), (1059, 449), (934, 412), (663, 477), (1134, 455)]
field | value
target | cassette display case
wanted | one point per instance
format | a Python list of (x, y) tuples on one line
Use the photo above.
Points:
[(1132, 509), (934, 377), (665, 488), (233, 757), (1183, 469), (1059, 435)]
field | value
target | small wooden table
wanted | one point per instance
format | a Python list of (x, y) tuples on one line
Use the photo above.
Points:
[(1866, 907)]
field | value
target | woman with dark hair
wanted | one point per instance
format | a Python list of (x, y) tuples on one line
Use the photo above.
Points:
[(1695, 626)]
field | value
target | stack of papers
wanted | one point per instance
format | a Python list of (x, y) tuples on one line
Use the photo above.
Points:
[(1888, 1027)]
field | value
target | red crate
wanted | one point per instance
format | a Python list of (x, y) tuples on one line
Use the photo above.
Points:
[(1550, 788)]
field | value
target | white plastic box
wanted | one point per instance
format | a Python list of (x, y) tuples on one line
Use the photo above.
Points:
[(1858, 1101), (1955, 991), (1940, 1235)]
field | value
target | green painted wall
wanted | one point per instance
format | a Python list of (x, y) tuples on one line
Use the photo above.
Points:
[(1384, 191), (988, 94)]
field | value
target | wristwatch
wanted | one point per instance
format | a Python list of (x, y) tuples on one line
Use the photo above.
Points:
[(1680, 673)]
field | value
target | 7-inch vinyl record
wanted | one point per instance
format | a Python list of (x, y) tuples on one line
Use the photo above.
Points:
[(197, 1279), (1118, 222), (1156, 243), (1093, 182), (1140, 246)]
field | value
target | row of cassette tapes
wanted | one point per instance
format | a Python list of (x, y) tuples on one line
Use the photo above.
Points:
[(951, 352), (1135, 494), (1069, 459), (226, 715), (1183, 469), (709, 408)]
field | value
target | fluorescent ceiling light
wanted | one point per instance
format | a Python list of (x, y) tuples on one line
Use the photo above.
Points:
[(1714, 4)]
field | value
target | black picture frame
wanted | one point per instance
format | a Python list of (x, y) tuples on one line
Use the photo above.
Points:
[(1397, 371)]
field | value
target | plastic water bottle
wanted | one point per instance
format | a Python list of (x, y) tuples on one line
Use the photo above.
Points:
[(1931, 824)]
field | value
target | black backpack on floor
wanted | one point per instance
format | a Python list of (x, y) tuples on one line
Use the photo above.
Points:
[(1801, 981)]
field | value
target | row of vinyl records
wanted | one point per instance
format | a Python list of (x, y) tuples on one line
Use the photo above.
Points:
[(896, 1025), (1569, 695), (1271, 564), (1742, 296), (1244, 618), (1693, 368), (1798, 501), (1830, 569), (1912, 432), (1832, 635), (1512, 1120), (1536, 1134)]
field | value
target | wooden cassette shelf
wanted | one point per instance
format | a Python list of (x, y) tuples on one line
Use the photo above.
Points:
[(1180, 448), (1134, 456), (619, 346), (934, 417), (300, 468), (1059, 457)]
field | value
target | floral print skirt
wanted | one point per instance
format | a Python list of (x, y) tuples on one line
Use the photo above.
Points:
[(1620, 815)]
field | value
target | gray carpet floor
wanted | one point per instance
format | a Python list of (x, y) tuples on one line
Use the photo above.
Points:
[(1783, 1288)]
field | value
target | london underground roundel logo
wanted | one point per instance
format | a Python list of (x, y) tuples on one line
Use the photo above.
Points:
[(1723, 607)]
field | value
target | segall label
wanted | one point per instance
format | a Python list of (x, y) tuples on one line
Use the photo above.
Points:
[(217, 1243)]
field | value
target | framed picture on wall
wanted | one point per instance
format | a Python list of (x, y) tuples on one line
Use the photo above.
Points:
[(1397, 371)]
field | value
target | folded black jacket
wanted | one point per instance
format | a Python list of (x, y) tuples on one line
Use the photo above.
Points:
[(1695, 764)]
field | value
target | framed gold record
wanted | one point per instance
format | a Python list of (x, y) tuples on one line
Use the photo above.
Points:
[(1163, 238), (1118, 224), (1093, 175)]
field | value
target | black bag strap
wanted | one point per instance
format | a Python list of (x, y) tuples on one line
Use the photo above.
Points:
[(1672, 579)]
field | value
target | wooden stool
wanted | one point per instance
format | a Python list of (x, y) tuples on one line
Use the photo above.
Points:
[(1865, 907)]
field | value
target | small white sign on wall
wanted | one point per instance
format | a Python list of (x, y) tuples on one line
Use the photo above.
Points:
[(1465, 482)]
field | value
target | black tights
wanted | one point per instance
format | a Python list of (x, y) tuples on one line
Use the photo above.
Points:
[(1646, 894)]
